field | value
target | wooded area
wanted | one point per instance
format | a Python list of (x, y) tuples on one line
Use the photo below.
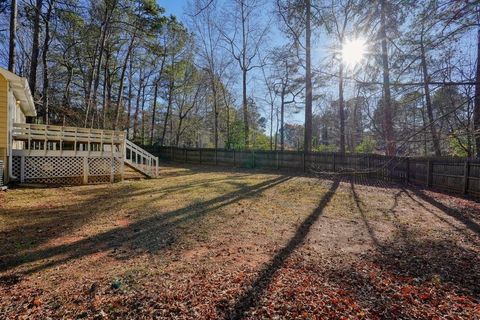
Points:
[(391, 77)]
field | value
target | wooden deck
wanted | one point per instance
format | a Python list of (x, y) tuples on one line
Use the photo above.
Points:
[(71, 155)]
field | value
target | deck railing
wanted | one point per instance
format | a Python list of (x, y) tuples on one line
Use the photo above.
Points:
[(30, 132)]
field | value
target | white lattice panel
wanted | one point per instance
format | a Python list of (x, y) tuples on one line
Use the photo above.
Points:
[(67, 170), (16, 166), (103, 166), (53, 167)]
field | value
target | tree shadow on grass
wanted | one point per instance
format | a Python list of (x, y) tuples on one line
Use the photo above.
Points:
[(412, 265), (38, 224), (452, 212), (464, 231), (150, 234), (249, 299)]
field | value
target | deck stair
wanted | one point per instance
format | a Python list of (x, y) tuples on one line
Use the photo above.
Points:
[(140, 159)]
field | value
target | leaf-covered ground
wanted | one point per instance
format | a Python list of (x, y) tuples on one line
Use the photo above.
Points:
[(200, 243)]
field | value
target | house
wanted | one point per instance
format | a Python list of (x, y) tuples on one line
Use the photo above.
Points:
[(16, 104), (49, 154)]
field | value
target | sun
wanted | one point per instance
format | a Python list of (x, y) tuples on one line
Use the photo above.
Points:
[(353, 51)]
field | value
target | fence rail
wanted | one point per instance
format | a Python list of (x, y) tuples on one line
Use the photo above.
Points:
[(456, 175)]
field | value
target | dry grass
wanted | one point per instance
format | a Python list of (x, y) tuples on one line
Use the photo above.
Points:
[(209, 243)]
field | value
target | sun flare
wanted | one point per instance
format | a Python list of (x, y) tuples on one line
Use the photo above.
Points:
[(353, 51)]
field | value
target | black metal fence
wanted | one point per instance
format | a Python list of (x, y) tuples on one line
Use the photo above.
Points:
[(456, 175)]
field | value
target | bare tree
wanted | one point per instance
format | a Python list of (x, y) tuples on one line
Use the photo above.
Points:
[(387, 96), (244, 35), (46, 45)]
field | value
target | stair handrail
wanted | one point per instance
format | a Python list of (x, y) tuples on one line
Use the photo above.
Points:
[(153, 160)]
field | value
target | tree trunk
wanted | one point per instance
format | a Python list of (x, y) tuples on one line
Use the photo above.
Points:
[(13, 36), (307, 145), (271, 125), (282, 113), (143, 108), (129, 109), (476, 110), (94, 75), (154, 110), (245, 108), (215, 109), (227, 105), (66, 92), (387, 104), (137, 105), (341, 108), (46, 44), (157, 82), (244, 76), (106, 88), (122, 81), (169, 105), (35, 47), (428, 101)]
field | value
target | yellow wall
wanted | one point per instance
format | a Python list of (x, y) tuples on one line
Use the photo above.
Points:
[(4, 123)]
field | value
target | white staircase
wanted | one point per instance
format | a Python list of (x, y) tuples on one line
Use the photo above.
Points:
[(140, 159)]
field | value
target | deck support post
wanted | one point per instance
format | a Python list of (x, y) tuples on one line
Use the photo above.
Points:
[(112, 169), (85, 170), (22, 168)]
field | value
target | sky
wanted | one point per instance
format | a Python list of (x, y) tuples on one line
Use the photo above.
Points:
[(174, 7)]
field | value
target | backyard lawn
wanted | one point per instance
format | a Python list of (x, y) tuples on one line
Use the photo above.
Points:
[(204, 243)]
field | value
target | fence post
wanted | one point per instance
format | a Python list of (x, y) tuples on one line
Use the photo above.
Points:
[(466, 174), (333, 162), (429, 173), (172, 154), (368, 165), (216, 157), (253, 158), (200, 155), (303, 161), (276, 159), (185, 151), (407, 173), (234, 164)]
